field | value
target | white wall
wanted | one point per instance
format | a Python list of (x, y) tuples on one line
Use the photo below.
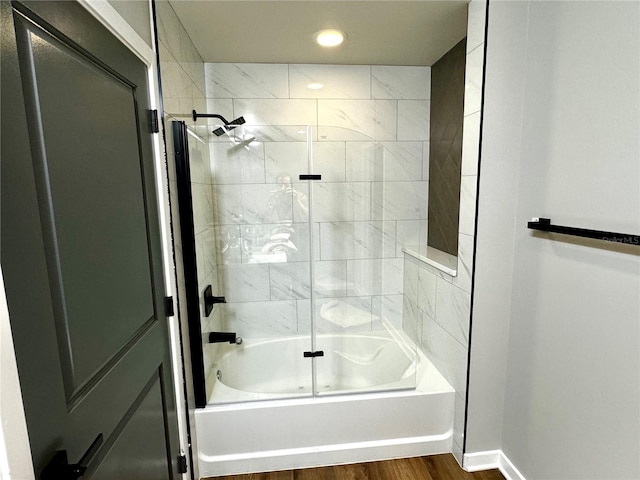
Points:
[(572, 384), (498, 191)]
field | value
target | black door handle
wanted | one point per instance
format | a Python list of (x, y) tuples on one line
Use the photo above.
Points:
[(59, 467)]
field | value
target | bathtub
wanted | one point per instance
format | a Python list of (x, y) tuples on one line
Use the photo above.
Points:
[(348, 420)]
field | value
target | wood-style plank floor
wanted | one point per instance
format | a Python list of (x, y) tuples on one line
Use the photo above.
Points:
[(435, 467)]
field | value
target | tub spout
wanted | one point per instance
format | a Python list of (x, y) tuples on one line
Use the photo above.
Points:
[(221, 337)]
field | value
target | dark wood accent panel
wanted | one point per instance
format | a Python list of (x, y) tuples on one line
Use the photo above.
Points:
[(445, 148), (435, 467)]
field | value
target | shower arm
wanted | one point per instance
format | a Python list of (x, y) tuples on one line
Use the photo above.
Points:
[(195, 115)]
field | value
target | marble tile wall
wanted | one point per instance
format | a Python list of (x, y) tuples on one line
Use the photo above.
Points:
[(436, 301), (369, 134), (183, 90)]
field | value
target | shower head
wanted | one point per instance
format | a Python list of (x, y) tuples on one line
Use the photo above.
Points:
[(229, 126)]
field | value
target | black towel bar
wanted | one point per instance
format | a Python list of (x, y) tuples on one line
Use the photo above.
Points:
[(544, 225)]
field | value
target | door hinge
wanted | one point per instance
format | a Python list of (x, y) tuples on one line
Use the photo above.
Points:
[(168, 307), (153, 121), (182, 464)]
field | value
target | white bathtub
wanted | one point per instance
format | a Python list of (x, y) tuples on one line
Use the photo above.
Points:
[(293, 429), (276, 369)]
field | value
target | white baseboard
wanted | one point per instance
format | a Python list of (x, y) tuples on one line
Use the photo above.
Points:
[(474, 462)]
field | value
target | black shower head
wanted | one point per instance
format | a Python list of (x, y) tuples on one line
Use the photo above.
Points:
[(229, 126)]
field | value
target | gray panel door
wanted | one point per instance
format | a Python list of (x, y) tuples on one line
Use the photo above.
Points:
[(80, 245)]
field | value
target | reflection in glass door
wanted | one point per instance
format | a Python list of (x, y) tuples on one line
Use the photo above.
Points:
[(263, 252)]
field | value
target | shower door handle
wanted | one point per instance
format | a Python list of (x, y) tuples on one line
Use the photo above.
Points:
[(318, 353), (59, 467)]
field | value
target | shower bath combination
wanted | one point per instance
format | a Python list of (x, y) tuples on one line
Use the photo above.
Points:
[(346, 357)]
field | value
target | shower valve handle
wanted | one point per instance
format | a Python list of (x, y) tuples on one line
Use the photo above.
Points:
[(210, 300)]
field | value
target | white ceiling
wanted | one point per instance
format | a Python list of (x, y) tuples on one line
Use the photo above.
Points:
[(416, 32)]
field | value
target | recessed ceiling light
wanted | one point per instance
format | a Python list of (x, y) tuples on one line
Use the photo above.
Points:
[(315, 86), (330, 38)]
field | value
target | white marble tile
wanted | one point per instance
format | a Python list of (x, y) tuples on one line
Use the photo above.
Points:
[(410, 83), (290, 281), (175, 81), (343, 315), (340, 134), (351, 240), (376, 119), (196, 71), (399, 200), (337, 202), (413, 119), (229, 244), (458, 419), (246, 283), (201, 196), (276, 111), (261, 319), (339, 81), (276, 243), (292, 158), (453, 310), (206, 251), (171, 105), (238, 163), (374, 277), (169, 27), (219, 106), (254, 204), (427, 291), (448, 355), (466, 221), (425, 160), (388, 307), (411, 321), (471, 144), (476, 23), (336, 315), (465, 263), (200, 264), (199, 161), (473, 81), (278, 133), (247, 80), (408, 233), (456, 451), (331, 278), (410, 279), (378, 161)]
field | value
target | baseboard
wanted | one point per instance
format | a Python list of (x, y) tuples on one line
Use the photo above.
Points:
[(474, 462)]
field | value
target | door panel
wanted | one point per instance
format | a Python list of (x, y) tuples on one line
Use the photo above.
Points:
[(92, 267), (141, 441), (80, 244)]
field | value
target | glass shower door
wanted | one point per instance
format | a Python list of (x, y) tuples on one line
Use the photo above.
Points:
[(363, 337), (263, 252)]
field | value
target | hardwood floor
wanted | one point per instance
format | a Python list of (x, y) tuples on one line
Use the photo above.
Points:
[(435, 467)]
